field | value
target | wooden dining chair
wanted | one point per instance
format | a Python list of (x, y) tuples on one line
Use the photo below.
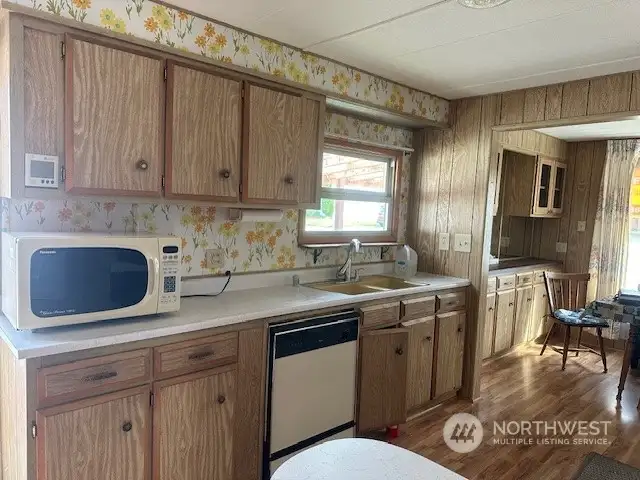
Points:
[(567, 295)]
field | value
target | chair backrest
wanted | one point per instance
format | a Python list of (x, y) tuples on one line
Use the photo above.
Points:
[(566, 290)]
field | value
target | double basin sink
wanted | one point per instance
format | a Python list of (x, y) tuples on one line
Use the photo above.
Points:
[(372, 284)]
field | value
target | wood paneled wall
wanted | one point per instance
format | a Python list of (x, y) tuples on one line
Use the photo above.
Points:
[(572, 101), (451, 182)]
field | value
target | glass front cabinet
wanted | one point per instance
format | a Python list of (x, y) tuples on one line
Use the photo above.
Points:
[(549, 187)]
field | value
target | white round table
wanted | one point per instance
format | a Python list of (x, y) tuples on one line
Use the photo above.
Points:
[(361, 459)]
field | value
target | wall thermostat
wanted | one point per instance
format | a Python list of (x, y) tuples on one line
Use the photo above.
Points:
[(41, 171)]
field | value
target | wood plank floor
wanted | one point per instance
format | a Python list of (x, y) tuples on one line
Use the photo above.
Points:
[(522, 385)]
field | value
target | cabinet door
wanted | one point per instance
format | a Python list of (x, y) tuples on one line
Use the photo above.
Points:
[(113, 121), (101, 438), (539, 311), (489, 326), (559, 182), (505, 311), (521, 331), (420, 360), (543, 194), (310, 151), (382, 400), (203, 134), (450, 352), (193, 426), (272, 129)]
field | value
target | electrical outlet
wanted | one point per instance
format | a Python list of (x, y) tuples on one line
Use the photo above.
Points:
[(214, 258), (463, 242), (561, 247), (443, 241), (582, 226), (505, 242)]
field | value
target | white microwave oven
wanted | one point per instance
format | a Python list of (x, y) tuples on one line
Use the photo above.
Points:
[(51, 279)]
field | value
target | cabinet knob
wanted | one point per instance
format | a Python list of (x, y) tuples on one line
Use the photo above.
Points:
[(289, 180), (528, 299), (127, 427), (221, 399), (399, 351), (459, 329), (491, 309), (511, 304), (428, 339), (225, 173), (142, 165)]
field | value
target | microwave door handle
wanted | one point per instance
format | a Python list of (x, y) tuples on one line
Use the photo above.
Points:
[(151, 262)]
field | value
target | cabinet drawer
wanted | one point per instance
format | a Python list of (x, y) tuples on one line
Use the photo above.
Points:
[(417, 307), (193, 355), (94, 376), (538, 276), (524, 279), (451, 301), (382, 314), (506, 282), (491, 284)]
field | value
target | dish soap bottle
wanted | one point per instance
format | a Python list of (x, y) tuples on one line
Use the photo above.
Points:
[(406, 265)]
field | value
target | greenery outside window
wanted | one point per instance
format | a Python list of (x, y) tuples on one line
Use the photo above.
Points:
[(358, 196)]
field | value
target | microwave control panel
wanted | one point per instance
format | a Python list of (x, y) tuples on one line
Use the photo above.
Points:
[(170, 287)]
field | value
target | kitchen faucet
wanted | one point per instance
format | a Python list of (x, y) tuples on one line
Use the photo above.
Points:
[(344, 272)]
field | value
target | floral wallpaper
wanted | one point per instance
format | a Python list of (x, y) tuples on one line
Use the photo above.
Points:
[(341, 126), (151, 21)]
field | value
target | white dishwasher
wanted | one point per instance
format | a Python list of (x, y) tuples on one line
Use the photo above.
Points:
[(311, 385)]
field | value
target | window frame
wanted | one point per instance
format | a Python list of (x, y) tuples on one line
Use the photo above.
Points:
[(392, 195)]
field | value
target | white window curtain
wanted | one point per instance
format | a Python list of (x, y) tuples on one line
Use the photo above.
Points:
[(610, 246)]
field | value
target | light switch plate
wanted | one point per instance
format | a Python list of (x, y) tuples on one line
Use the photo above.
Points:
[(463, 242), (561, 247), (214, 258), (582, 226), (443, 241)]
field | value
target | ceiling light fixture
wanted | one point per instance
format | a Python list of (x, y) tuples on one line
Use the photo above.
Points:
[(482, 3)]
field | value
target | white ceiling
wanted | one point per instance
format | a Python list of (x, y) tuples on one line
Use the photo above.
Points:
[(446, 49), (595, 131)]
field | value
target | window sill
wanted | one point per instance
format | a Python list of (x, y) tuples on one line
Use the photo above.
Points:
[(346, 244)]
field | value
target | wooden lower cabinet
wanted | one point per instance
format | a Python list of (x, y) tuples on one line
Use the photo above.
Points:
[(193, 426), (505, 312), (489, 326), (420, 360), (100, 438), (539, 311), (522, 328), (382, 399), (450, 329)]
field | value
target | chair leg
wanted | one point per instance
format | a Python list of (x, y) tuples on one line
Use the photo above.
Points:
[(565, 350), (602, 353), (546, 339), (579, 339)]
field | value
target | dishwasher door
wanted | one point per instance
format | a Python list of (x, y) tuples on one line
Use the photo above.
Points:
[(311, 389)]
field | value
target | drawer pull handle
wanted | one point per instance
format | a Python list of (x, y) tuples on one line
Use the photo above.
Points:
[(428, 338), (528, 299), (221, 399), (99, 376), (127, 427), (399, 351), (201, 355)]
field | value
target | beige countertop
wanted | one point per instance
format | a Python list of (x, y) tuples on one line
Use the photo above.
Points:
[(523, 265), (201, 313)]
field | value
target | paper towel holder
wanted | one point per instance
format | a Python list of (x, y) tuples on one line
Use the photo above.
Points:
[(249, 214)]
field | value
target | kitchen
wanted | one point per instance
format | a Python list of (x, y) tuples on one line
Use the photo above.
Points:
[(241, 234)]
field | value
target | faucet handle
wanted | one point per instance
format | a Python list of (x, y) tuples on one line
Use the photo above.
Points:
[(356, 274), (355, 245)]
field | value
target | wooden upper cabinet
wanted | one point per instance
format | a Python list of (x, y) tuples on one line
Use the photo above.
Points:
[(280, 144), (383, 378), (114, 120), (101, 438), (193, 426), (204, 112)]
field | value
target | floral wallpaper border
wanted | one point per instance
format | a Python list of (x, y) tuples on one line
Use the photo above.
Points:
[(178, 29), (353, 128)]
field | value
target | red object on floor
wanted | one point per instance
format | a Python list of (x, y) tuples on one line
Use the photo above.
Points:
[(392, 432)]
